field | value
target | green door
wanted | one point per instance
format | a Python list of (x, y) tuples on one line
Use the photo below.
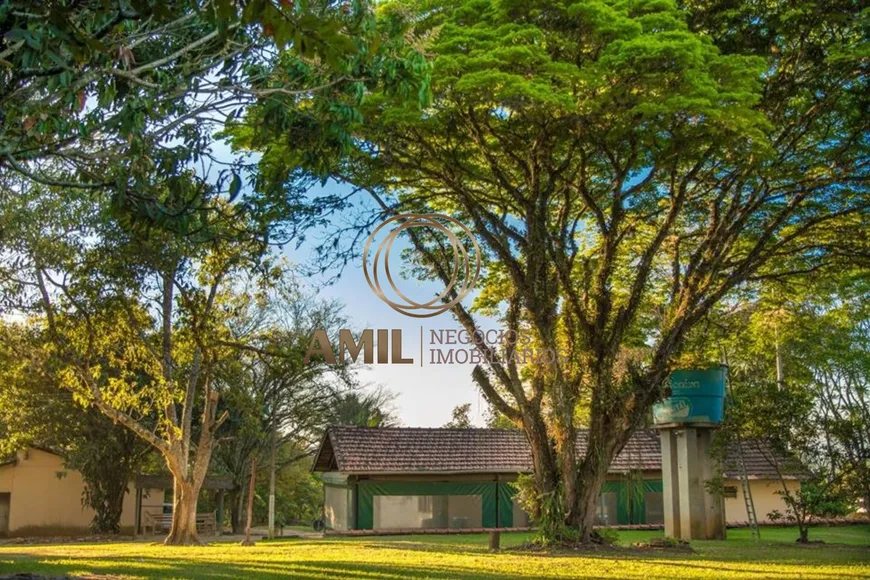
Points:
[(5, 504), (631, 498)]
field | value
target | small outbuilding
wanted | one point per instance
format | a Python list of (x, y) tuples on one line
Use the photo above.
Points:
[(40, 496), (413, 478)]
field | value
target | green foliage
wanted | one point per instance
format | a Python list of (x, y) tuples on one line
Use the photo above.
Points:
[(546, 511), (765, 410), (299, 496), (365, 409), (527, 495), (461, 417), (781, 416), (816, 498), (496, 420), (626, 167), (552, 527), (36, 411), (109, 457), (124, 99), (817, 334), (137, 321), (382, 59), (269, 390), (608, 536)]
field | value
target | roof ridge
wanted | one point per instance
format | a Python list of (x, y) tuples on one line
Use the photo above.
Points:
[(375, 428)]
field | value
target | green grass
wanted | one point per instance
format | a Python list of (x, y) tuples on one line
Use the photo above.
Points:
[(457, 558), (307, 529)]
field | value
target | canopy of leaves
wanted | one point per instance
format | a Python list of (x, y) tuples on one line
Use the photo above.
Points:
[(461, 417), (125, 97), (371, 408)]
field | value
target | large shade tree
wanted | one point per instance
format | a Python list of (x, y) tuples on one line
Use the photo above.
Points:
[(135, 320), (625, 167), (278, 406), (124, 232)]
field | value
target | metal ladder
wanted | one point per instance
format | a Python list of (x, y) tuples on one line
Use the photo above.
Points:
[(744, 479), (747, 493)]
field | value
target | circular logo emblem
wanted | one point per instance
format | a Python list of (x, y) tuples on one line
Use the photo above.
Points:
[(465, 269)]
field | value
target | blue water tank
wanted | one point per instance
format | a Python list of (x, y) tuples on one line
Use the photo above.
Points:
[(696, 396)]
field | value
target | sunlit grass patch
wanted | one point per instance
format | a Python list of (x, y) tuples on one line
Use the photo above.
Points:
[(452, 558)]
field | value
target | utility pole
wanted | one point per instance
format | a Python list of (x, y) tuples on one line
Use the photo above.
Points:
[(272, 482)]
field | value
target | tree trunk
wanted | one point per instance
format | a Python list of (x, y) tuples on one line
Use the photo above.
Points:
[(591, 478), (250, 515), (543, 458), (804, 534), (608, 433), (183, 531), (115, 509), (566, 450), (236, 499)]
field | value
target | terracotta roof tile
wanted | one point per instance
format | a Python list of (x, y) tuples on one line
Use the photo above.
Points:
[(379, 450), (762, 462), (417, 450)]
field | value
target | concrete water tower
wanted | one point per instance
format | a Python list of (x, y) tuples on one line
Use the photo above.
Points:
[(686, 420)]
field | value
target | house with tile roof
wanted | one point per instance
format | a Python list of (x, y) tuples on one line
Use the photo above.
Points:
[(412, 478), (41, 496)]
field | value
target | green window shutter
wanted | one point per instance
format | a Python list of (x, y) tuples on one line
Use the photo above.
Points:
[(365, 507), (488, 491), (506, 505), (653, 485), (631, 501)]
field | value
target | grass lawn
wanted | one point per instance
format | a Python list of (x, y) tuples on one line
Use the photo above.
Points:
[(456, 558)]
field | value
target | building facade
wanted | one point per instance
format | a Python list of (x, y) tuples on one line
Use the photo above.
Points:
[(405, 479), (39, 496)]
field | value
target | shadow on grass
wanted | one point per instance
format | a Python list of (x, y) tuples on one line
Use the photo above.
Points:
[(415, 560), (310, 569), (153, 567), (715, 550)]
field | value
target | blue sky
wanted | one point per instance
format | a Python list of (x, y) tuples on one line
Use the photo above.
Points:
[(425, 396)]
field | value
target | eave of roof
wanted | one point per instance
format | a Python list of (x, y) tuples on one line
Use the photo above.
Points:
[(463, 472), (13, 459), (322, 461)]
